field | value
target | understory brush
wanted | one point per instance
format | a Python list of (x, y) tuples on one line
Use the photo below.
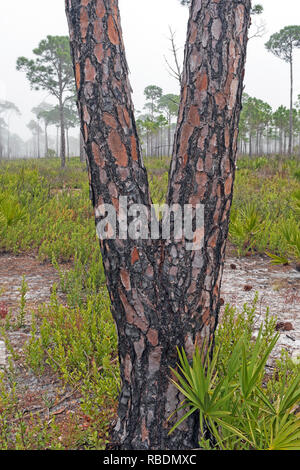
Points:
[(265, 212), (242, 406), (46, 211)]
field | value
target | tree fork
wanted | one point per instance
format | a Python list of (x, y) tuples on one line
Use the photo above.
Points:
[(162, 295)]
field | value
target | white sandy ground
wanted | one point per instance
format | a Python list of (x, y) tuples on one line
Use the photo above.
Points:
[(278, 288)]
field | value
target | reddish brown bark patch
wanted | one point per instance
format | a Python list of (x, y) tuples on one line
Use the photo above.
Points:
[(98, 157), (100, 9), (187, 131), (77, 75), (112, 31), (99, 52), (153, 337), (134, 152), (85, 132), (125, 278), (110, 121), (134, 255), (98, 31), (228, 185), (123, 116), (117, 148), (84, 22), (202, 82), (90, 71), (193, 116), (227, 138), (131, 315), (220, 100), (127, 367), (145, 432)]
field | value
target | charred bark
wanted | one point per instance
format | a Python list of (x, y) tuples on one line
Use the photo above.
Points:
[(162, 295)]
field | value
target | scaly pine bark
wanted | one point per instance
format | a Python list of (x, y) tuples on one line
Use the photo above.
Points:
[(162, 295)]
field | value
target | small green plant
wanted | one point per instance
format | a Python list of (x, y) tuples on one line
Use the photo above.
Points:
[(22, 311), (79, 344), (10, 211), (229, 393), (245, 226)]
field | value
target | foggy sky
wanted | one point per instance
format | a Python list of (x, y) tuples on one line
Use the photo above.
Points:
[(145, 27)]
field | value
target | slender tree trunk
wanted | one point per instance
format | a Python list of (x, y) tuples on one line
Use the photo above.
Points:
[(163, 296), (62, 135), (68, 143), (57, 141), (148, 144), (284, 142), (62, 119), (161, 151), (38, 142), (291, 108), (46, 139)]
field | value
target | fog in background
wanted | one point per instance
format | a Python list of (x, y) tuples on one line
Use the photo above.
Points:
[(146, 30)]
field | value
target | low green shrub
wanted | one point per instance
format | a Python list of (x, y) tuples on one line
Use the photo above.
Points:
[(242, 408)]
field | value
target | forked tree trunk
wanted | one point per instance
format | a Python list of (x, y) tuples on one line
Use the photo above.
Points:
[(162, 295)]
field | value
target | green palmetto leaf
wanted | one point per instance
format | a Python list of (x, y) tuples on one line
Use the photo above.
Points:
[(196, 384), (189, 413), (238, 413), (234, 362), (251, 372), (287, 436), (185, 391), (234, 430), (277, 260), (265, 400), (291, 396)]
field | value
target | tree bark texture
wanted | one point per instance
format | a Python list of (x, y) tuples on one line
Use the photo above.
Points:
[(162, 295)]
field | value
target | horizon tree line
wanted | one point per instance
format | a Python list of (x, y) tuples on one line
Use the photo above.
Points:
[(41, 144), (264, 131), (261, 129)]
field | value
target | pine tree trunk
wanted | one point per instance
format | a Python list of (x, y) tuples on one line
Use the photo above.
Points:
[(162, 295), (57, 141), (46, 139), (291, 109), (68, 143), (38, 142), (62, 135)]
